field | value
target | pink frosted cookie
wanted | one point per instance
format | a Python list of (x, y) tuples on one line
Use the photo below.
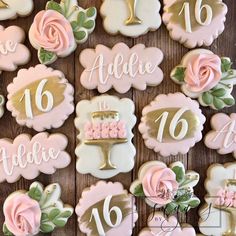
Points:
[(106, 209), (159, 225), (12, 50), (121, 67), (40, 98), (56, 31), (195, 22), (105, 126), (172, 124), (207, 77), (168, 187), (34, 211), (28, 156)]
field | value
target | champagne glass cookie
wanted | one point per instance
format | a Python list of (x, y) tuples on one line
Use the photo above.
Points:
[(207, 77), (131, 18), (195, 23), (56, 31), (34, 211)]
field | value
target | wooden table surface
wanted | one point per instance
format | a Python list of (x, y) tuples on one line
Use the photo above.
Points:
[(199, 158)]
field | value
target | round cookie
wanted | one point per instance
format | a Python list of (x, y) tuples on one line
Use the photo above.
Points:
[(171, 124), (40, 98), (106, 209)]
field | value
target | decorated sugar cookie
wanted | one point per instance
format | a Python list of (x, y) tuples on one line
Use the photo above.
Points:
[(172, 124), (131, 18), (10, 9), (40, 98), (121, 67), (28, 156), (105, 132), (12, 50), (159, 225), (106, 209), (56, 31), (36, 210), (217, 216), (195, 23), (207, 77), (169, 187)]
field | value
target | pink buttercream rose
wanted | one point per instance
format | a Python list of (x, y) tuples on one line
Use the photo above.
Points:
[(22, 215), (121, 125), (113, 125), (105, 133), (96, 134), (122, 134), (160, 185), (203, 72), (52, 31), (105, 125), (113, 133), (97, 127)]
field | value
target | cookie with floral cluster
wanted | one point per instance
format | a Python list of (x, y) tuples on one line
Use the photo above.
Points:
[(207, 77), (37, 210), (169, 187), (56, 31)]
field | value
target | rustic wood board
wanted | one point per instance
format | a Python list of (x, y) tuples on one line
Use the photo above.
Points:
[(198, 159)]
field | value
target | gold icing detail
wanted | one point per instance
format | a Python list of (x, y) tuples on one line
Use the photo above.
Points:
[(3, 5), (105, 114), (106, 146), (122, 201), (189, 116), (179, 19), (133, 19), (53, 85)]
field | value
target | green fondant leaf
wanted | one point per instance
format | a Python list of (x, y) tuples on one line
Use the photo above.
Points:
[(218, 103), (226, 64), (59, 222), (46, 228), (138, 191), (179, 74), (89, 24), (74, 25), (229, 101), (194, 203), (80, 35), (171, 208), (44, 217), (219, 92), (53, 214), (81, 18), (66, 214), (207, 98), (6, 231), (179, 172), (46, 57), (54, 6), (184, 197), (91, 12), (35, 193)]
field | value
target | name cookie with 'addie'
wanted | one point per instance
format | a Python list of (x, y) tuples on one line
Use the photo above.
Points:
[(27, 156), (40, 98), (131, 18), (172, 124), (107, 209), (105, 126), (121, 67)]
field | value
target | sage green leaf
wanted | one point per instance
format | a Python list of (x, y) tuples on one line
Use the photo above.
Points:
[(44, 217), (229, 101), (81, 18), (207, 98), (74, 25), (59, 222), (53, 214), (54, 6), (35, 193), (194, 203), (171, 208), (179, 74), (6, 231), (226, 64), (46, 57), (179, 172), (91, 12), (184, 197), (66, 214), (138, 191), (218, 103), (183, 208), (219, 92), (46, 228), (89, 24), (80, 35)]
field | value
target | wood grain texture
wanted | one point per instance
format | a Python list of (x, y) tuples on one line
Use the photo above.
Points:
[(198, 159)]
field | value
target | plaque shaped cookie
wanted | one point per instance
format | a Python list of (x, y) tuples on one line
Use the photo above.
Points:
[(37, 210), (168, 187), (58, 29), (217, 216), (195, 23), (10, 9), (131, 18), (40, 98), (121, 67), (159, 225), (12, 50), (207, 77), (27, 156), (105, 132), (171, 124), (106, 209)]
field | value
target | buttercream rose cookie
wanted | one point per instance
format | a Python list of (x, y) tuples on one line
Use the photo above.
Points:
[(195, 23), (10, 9), (160, 225), (217, 216), (131, 18), (40, 98), (36, 210), (207, 77), (12, 50), (27, 156), (169, 187), (172, 124), (105, 132), (106, 209), (121, 67), (56, 31)]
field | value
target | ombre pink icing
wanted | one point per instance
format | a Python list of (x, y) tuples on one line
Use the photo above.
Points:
[(159, 185), (22, 215), (203, 72), (52, 31)]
